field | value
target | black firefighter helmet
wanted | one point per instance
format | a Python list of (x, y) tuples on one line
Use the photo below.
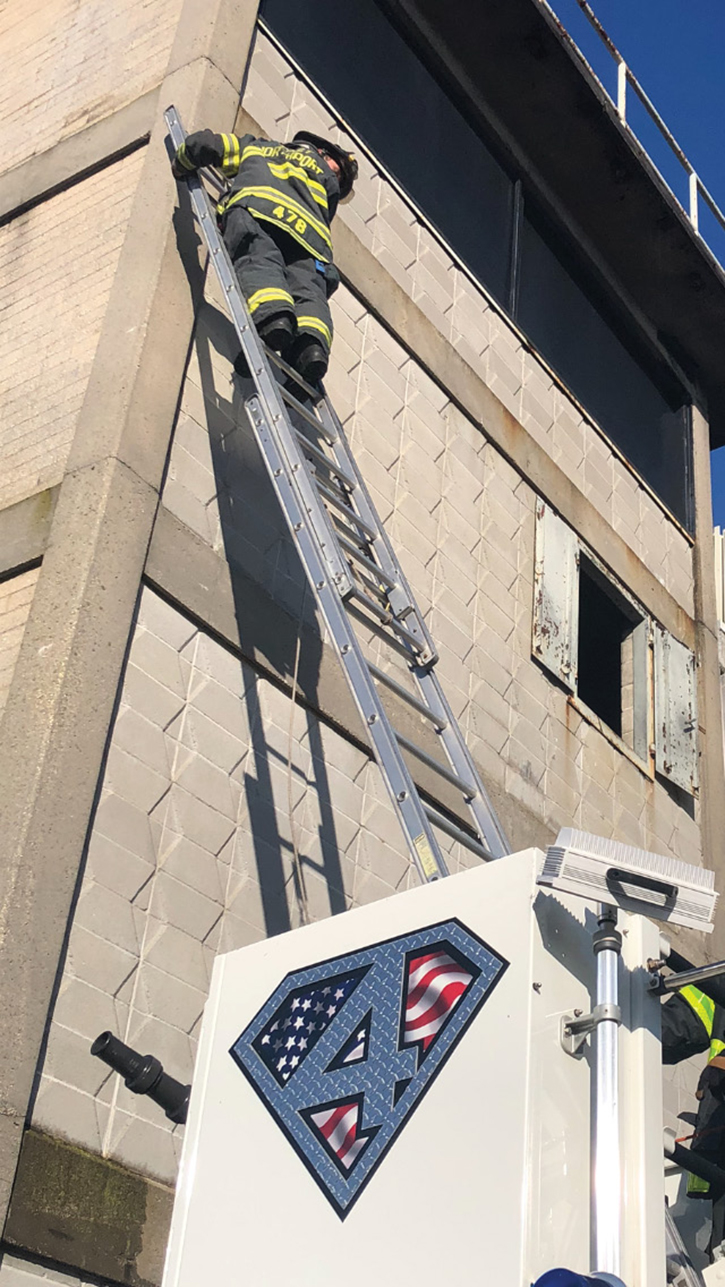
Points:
[(345, 160)]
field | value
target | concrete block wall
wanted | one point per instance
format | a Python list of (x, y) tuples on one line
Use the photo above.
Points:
[(462, 521), (386, 225), (57, 265), (16, 597), (225, 813), (193, 852), (68, 63), (200, 818)]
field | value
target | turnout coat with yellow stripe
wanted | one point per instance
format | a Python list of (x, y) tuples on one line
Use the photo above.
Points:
[(279, 183), (693, 1023)]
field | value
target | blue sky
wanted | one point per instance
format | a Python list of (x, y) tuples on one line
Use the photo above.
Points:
[(676, 49)]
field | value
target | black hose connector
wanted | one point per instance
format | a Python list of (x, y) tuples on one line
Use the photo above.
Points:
[(144, 1075)]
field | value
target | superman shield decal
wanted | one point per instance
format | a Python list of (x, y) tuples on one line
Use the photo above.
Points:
[(343, 1051)]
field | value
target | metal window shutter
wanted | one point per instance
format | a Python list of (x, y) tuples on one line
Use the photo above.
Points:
[(556, 596), (676, 750)]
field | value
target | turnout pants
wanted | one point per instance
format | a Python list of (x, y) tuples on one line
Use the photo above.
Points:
[(278, 276)]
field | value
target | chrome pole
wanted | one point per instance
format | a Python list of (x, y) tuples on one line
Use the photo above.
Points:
[(607, 1195)]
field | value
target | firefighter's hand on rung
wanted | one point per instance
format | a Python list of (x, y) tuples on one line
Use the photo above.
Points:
[(179, 171)]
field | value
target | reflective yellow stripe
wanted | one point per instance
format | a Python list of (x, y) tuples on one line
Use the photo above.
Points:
[(290, 171), (716, 1048), (230, 162), (282, 199), (267, 294), (314, 324), (703, 1006), (252, 150), (315, 251), (183, 159), (697, 1186)]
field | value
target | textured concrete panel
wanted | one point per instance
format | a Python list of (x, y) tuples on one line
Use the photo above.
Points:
[(227, 815), (75, 1208), (218, 824), (68, 65), (57, 264), (16, 596), (461, 519), (384, 223)]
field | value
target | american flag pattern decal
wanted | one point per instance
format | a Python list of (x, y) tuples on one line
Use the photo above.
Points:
[(435, 984), (342, 1051)]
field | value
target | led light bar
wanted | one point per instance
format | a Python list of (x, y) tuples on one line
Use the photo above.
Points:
[(606, 871)]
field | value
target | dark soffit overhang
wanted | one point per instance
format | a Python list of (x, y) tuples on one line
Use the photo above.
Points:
[(536, 89)]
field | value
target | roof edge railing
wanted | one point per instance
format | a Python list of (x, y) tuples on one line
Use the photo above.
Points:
[(626, 80)]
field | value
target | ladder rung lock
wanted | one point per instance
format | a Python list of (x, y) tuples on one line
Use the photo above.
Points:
[(375, 628), (368, 589), (387, 619)]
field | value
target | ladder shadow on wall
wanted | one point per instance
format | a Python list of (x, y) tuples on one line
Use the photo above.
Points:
[(253, 535)]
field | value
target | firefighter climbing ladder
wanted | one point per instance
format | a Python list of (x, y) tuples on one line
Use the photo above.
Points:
[(353, 572)]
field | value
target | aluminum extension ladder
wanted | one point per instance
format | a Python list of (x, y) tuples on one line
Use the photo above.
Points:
[(353, 572)]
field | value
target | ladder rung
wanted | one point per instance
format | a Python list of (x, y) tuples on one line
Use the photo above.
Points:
[(383, 614), (305, 414), (403, 693), (381, 631), (339, 536), (470, 792), (315, 394), (360, 542), (365, 562), (341, 503), (409, 698), (322, 459), (378, 590), (456, 833), (387, 618)]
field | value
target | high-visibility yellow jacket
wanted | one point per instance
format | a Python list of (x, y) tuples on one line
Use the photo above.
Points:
[(288, 185), (693, 1023)]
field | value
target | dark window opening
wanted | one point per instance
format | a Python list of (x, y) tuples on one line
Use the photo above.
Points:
[(405, 114), (605, 680), (378, 84)]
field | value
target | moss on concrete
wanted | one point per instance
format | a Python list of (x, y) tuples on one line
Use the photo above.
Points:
[(88, 1213)]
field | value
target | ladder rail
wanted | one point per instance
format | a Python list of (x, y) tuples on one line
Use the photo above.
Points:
[(402, 599), (428, 684), (292, 458), (422, 843), (293, 463), (297, 496)]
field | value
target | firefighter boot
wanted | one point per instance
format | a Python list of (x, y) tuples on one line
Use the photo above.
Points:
[(278, 331), (309, 359)]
